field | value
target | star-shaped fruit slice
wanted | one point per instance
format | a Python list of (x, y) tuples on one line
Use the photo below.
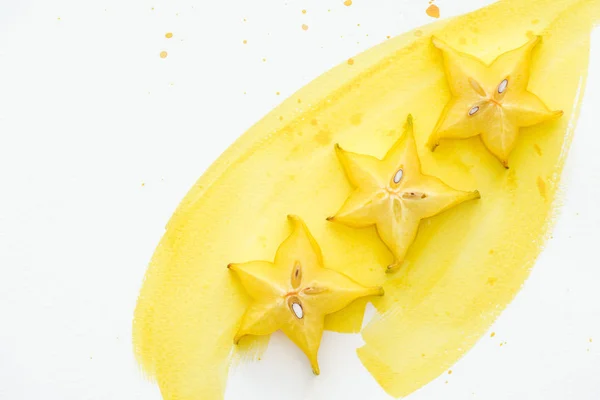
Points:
[(394, 195), (489, 100), (295, 292)]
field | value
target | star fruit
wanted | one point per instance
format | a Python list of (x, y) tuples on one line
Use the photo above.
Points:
[(489, 100), (295, 292), (394, 195)]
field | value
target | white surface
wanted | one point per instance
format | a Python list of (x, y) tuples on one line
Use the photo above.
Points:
[(89, 112)]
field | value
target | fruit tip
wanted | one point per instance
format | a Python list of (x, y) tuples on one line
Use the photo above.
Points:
[(476, 194)]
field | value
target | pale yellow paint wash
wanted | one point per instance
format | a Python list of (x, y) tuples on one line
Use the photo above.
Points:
[(466, 264)]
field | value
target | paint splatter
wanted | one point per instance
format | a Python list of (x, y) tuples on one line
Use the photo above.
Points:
[(433, 11), (303, 11), (305, 27), (493, 334), (168, 35), (245, 42), (350, 61), (348, 3), (541, 184), (163, 54)]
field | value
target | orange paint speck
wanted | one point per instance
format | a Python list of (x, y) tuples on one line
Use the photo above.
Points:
[(541, 184), (168, 35), (433, 11), (305, 27), (493, 334), (163, 54), (348, 3), (350, 61)]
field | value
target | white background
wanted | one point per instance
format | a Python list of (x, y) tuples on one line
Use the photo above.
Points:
[(100, 139)]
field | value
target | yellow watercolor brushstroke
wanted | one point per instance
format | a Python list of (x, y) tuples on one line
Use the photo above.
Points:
[(466, 264)]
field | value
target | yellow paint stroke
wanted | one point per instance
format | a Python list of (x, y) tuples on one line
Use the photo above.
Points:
[(466, 264)]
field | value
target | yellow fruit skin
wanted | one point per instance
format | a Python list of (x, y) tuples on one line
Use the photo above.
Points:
[(465, 265), (394, 195), (490, 100), (296, 278)]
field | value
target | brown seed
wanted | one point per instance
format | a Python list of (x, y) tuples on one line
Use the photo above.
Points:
[(296, 275)]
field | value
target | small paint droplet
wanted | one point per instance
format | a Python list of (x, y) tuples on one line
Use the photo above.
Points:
[(450, 372), (277, 93), (541, 184), (58, 18), (244, 19), (264, 60), (502, 86), (163, 54), (493, 334), (245, 42), (473, 110), (348, 3), (168, 35), (143, 184), (303, 11), (433, 11), (388, 36), (350, 61), (305, 27), (298, 311), (591, 340), (398, 176)]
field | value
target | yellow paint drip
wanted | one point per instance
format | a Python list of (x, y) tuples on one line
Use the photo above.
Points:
[(466, 264)]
